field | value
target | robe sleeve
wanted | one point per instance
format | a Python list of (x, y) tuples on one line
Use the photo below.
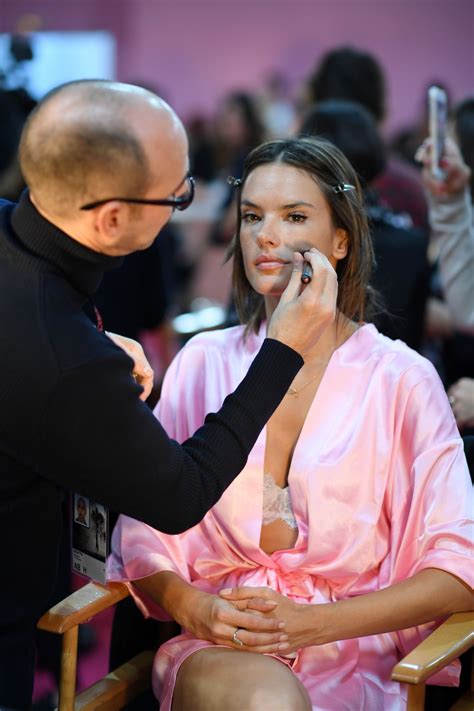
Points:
[(431, 497), (138, 550)]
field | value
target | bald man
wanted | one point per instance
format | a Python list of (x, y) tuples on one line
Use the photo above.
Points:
[(106, 164)]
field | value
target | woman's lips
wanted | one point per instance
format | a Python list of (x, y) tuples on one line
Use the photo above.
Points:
[(270, 263)]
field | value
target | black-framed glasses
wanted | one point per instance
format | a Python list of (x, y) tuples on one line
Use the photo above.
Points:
[(177, 203)]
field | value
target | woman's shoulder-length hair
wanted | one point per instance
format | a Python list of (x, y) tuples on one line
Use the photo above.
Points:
[(329, 168)]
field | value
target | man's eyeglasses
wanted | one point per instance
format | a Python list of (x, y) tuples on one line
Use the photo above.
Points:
[(177, 203)]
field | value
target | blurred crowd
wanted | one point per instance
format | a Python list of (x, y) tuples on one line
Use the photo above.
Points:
[(422, 229), (414, 223)]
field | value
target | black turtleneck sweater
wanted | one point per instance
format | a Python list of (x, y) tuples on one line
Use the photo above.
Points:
[(70, 413)]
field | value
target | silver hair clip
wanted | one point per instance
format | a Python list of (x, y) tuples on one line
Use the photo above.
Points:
[(235, 182), (343, 188)]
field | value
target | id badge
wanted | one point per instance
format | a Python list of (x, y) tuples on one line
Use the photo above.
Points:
[(90, 537)]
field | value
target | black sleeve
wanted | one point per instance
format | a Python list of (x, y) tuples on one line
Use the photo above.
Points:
[(99, 439)]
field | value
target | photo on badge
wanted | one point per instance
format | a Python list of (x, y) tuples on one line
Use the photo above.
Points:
[(89, 537)]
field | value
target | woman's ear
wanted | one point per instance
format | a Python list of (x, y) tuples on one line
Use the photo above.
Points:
[(340, 245)]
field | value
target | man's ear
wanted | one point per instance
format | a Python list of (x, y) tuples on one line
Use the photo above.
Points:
[(111, 221), (340, 245)]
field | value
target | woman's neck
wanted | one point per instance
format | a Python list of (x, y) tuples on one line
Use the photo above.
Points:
[(333, 336)]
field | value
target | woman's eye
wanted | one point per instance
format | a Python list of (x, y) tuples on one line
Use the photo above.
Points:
[(296, 217), (249, 217)]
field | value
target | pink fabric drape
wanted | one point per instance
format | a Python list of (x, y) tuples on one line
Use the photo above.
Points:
[(379, 487)]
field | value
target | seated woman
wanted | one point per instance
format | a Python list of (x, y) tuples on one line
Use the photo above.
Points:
[(349, 523)]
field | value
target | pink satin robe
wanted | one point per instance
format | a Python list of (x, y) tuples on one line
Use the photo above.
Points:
[(380, 490)]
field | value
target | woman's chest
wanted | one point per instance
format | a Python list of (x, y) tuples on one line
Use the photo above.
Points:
[(283, 433)]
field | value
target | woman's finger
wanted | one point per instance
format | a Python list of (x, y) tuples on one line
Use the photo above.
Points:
[(260, 639), (255, 605), (269, 648), (252, 622), (244, 592)]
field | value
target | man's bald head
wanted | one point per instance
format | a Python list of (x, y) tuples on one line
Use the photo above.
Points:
[(88, 140)]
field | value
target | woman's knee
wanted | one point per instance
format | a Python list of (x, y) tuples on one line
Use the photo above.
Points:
[(224, 679), (288, 695)]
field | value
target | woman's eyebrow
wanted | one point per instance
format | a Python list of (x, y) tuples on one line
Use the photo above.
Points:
[(287, 206)]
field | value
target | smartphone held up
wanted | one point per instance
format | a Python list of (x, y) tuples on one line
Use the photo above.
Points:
[(438, 119)]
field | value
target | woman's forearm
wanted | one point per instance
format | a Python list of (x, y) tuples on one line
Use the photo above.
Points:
[(429, 595), (169, 591), (207, 616)]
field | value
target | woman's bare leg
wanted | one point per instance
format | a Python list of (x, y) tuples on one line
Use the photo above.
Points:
[(214, 679)]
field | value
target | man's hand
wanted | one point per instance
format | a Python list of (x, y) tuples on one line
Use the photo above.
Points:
[(457, 173), (142, 371), (305, 311)]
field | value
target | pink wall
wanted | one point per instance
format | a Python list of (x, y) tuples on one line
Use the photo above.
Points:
[(195, 50)]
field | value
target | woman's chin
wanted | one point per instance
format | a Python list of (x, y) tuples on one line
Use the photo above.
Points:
[(274, 288), (272, 297)]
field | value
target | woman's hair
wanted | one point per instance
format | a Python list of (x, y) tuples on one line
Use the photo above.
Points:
[(328, 167), (351, 74)]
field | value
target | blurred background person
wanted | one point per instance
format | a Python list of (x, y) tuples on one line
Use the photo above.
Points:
[(451, 310), (277, 109), (401, 275), (15, 106), (356, 75), (238, 129)]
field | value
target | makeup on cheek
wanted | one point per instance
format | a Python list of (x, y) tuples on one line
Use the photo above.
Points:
[(307, 273)]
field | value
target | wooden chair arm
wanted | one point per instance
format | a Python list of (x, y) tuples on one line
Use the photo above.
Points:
[(118, 688), (446, 643), (81, 606)]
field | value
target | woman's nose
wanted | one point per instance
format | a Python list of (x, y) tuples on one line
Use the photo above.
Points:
[(267, 235)]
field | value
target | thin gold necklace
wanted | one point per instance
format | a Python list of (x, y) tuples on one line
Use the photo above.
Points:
[(294, 392)]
